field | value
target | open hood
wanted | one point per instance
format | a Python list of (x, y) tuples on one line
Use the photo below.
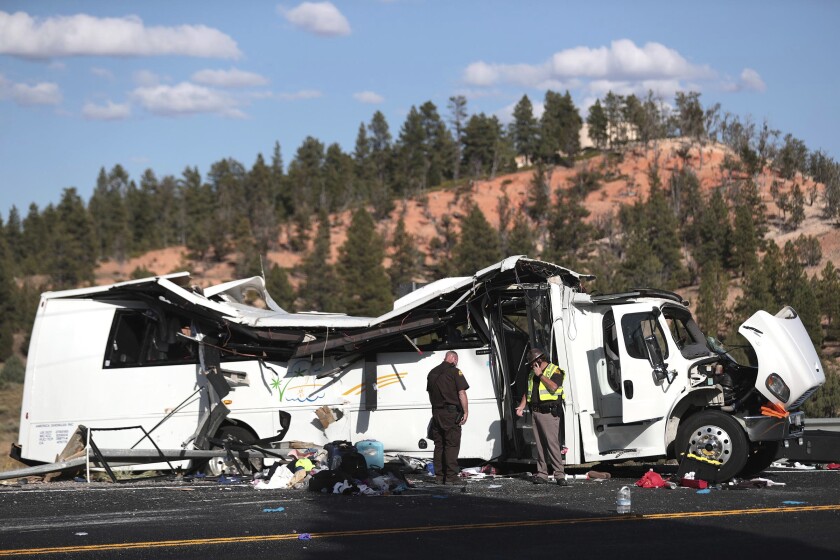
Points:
[(789, 369)]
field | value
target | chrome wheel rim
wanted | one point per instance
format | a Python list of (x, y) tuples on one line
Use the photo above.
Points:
[(711, 442)]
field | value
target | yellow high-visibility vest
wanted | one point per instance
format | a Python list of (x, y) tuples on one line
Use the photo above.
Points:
[(545, 394)]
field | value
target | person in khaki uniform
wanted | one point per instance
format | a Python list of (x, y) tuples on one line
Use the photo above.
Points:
[(545, 399), (447, 389)]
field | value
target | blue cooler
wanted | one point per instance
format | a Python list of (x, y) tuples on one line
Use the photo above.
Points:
[(373, 452)]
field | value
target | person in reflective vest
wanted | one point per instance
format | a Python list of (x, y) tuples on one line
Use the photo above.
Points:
[(545, 400)]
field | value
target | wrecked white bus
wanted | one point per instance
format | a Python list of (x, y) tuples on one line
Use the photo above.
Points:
[(192, 368)]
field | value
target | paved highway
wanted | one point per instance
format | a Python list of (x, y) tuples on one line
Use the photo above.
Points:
[(489, 518)]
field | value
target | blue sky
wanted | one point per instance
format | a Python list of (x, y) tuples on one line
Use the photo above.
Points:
[(166, 85)]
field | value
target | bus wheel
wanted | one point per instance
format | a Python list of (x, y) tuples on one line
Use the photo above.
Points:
[(218, 466), (716, 436)]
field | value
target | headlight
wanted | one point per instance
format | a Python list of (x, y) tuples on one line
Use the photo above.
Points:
[(778, 387)]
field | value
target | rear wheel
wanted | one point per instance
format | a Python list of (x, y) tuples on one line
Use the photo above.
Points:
[(218, 466), (715, 436)]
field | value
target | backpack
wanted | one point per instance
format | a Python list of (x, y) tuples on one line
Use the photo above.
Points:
[(325, 481), (353, 464)]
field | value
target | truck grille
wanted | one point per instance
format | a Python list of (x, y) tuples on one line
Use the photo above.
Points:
[(803, 398)]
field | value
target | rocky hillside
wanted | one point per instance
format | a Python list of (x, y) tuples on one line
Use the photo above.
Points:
[(627, 181)]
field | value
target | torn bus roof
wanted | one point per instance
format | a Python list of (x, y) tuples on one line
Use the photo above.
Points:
[(226, 314)]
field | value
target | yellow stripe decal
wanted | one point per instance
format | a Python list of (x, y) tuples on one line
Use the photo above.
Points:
[(381, 381)]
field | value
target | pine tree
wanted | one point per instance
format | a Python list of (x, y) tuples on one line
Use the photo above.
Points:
[(366, 287), (262, 214), (8, 296), (339, 178), (305, 176), (283, 199), (441, 247), (711, 304), (525, 130), (827, 289), (110, 216), (73, 256), (597, 121), (796, 207), (14, 241), (412, 164), (615, 116), (35, 241), (478, 246), (199, 212), (539, 201), (714, 231), (406, 259), (688, 118), (560, 126), (569, 236), (248, 254), (457, 119), (147, 232), (796, 290), (142, 221), (520, 240), (362, 165), (482, 140), (759, 289), (382, 160), (234, 192), (281, 290), (663, 234), (320, 290), (439, 145), (744, 241)]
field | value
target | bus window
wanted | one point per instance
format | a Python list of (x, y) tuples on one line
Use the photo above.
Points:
[(143, 339)]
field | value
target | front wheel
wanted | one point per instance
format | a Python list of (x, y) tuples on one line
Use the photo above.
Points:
[(715, 436)]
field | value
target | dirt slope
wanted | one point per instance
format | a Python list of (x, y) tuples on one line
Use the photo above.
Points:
[(421, 214)]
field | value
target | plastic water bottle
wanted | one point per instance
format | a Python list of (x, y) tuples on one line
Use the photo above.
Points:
[(622, 500)]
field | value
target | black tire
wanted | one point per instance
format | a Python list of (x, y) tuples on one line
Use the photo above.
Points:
[(760, 457), (219, 465), (714, 435)]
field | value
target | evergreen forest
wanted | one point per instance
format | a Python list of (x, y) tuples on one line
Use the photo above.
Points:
[(678, 235)]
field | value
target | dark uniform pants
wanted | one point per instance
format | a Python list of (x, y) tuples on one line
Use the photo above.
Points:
[(446, 433)]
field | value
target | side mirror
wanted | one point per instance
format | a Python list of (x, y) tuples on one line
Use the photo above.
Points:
[(657, 362)]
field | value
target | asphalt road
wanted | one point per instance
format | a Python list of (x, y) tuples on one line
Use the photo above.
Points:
[(489, 518)]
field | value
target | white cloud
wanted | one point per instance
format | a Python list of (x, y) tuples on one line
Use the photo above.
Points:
[(44, 93), (109, 112), (185, 99), (368, 97), (85, 35), (481, 74), (298, 95), (622, 60), (102, 73), (321, 18), (751, 81), (146, 78), (229, 78)]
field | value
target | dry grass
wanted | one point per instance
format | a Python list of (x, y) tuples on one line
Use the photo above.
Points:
[(10, 397)]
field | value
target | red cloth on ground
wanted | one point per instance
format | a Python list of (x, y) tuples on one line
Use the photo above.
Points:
[(650, 480)]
